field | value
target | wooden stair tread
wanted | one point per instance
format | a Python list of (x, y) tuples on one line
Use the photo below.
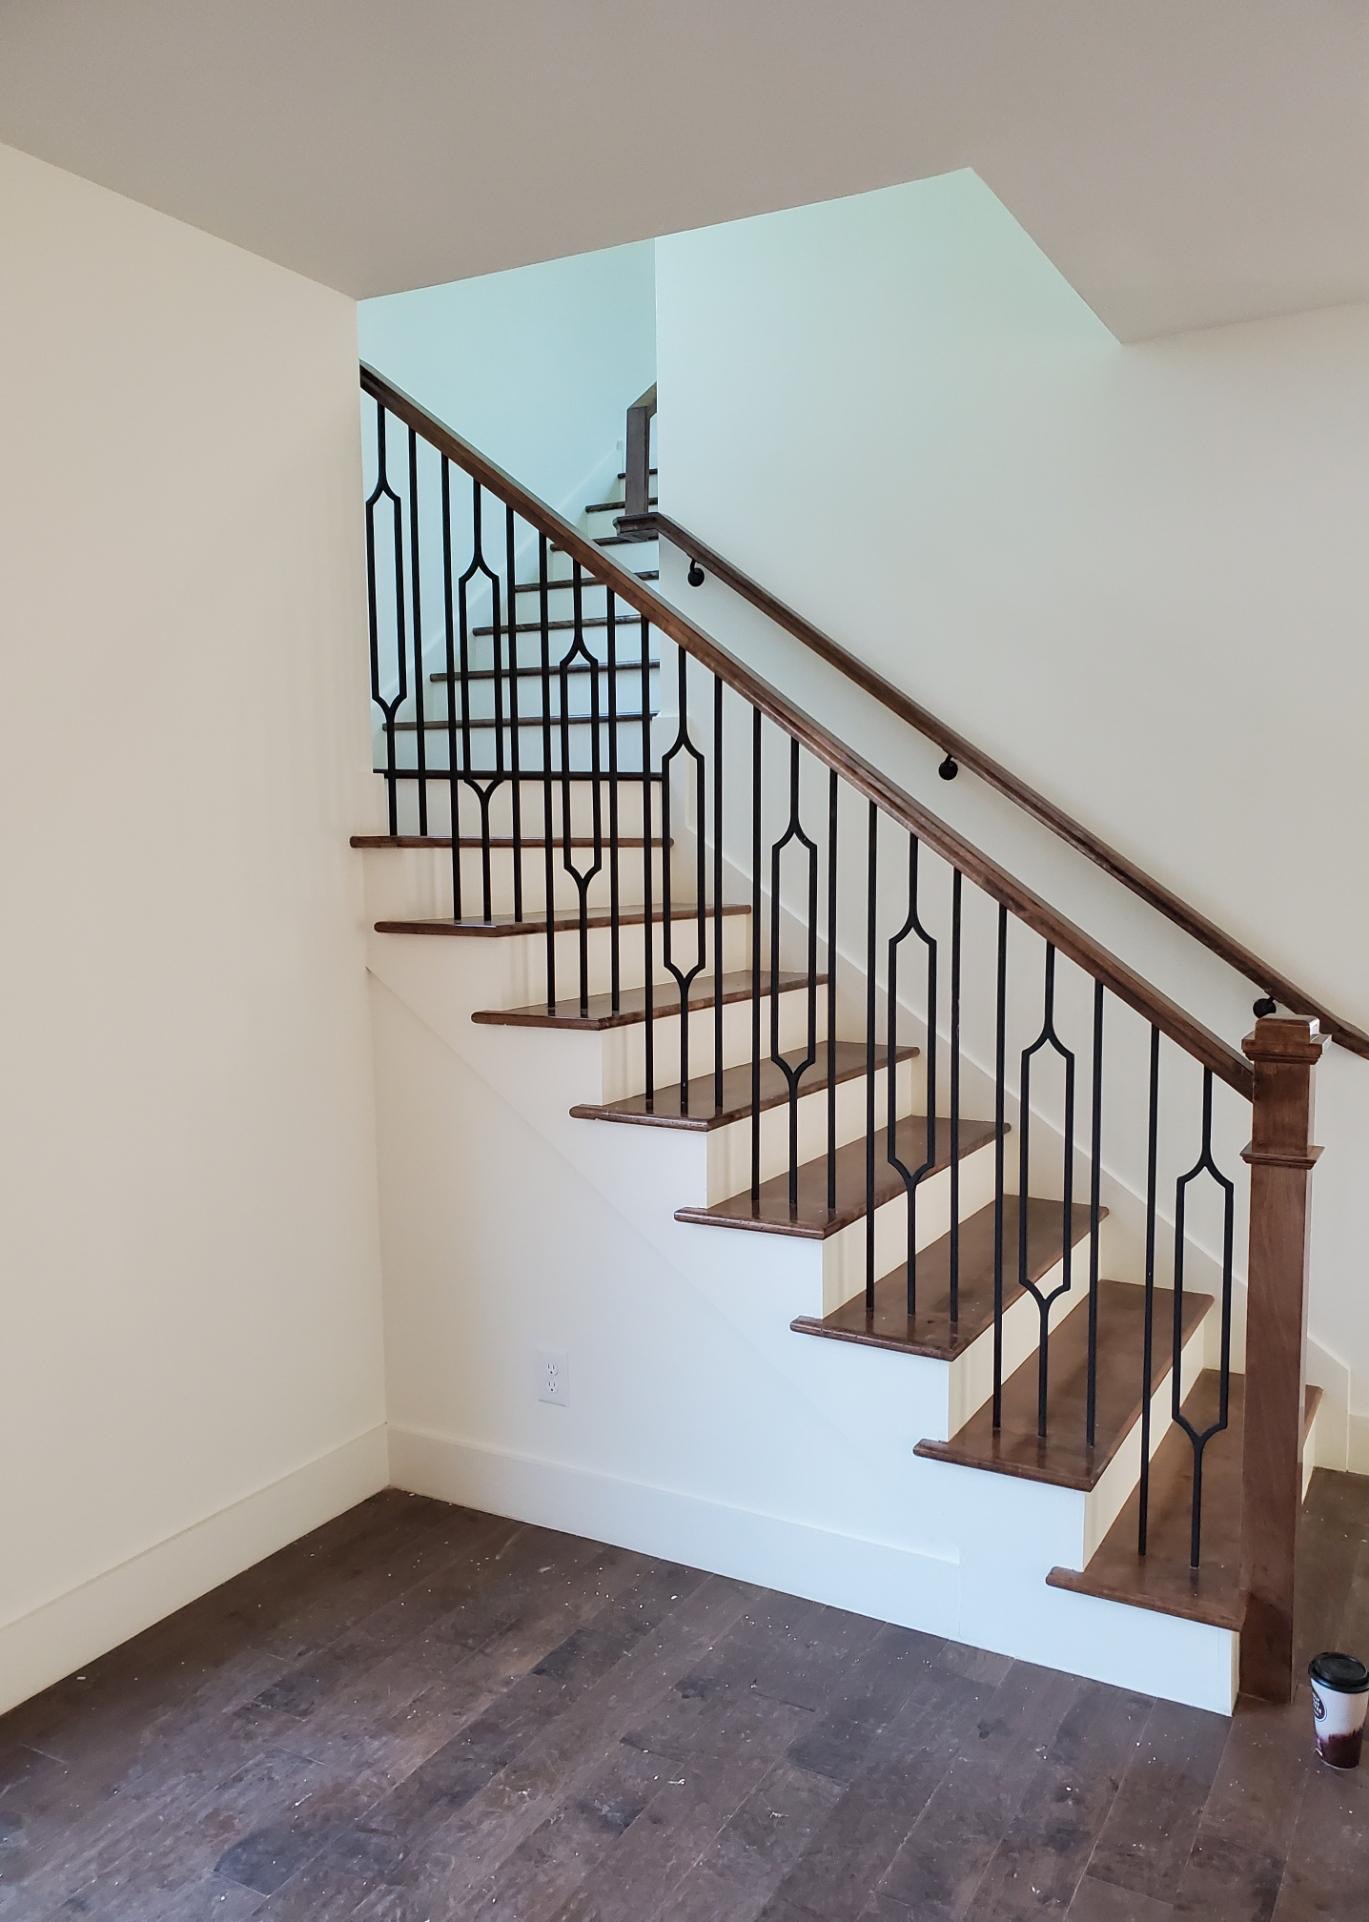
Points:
[(616, 507), (599, 1012), (459, 726), (1162, 1579), (1064, 1457), (554, 671), (565, 922), (503, 843), (564, 624), (694, 1106), (650, 471), (931, 1331), (506, 774), (565, 580), (497, 842), (770, 1212)]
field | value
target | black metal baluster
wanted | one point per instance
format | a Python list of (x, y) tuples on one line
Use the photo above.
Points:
[(511, 602), (483, 794), (582, 879), (548, 812), (615, 960), (871, 1053), (1044, 1302), (684, 977), (999, 1149), (1148, 1330), (912, 1177), (717, 894), (1199, 1439), (648, 947), (449, 662), (832, 992), (383, 491), (956, 887), (756, 954), (1095, 1218), (416, 598), (793, 1072)]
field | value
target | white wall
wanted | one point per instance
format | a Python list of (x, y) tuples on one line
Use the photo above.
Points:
[(537, 367), (191, 1370), (1133, 573)]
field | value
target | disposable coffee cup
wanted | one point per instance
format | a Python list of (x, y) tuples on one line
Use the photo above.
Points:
[(1340, 1696)]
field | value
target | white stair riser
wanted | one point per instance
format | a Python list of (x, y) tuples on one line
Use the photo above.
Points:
[(575, 694), (972, 1372), (488, 744), (559, 589), (532, 791), (729, 1148), (623, 1066), (844, 1257), (717, 1163), (509, 971), (1104, 1502), (416, 883)]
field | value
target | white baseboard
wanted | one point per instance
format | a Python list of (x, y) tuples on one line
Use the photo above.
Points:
[(40, 1647), (1357, 1443), (888, 1580)]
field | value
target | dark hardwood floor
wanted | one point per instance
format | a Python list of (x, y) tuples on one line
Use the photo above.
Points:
[(419, 1713)]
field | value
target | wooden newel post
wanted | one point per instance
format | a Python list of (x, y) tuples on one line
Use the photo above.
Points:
[(1283, 1050)]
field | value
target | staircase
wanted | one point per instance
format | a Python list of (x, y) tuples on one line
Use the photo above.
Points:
[(961, 1187)]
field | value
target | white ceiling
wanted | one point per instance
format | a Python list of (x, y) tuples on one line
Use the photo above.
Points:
[(1183, 162)]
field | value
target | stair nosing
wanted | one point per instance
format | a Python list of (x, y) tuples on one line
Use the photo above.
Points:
[(497, 843), (664, 1008), (554, 670), (487, 722), (567, 922)]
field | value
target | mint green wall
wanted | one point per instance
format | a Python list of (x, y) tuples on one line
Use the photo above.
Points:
[(536, 366)]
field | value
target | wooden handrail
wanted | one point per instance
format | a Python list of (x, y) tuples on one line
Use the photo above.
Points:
[(1029, 907), (965, 754)]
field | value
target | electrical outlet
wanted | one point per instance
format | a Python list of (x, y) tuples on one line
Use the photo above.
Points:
[(553, 1378)]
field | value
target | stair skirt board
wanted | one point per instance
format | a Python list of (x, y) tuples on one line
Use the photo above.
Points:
[(912, 1583), (908, 1582)]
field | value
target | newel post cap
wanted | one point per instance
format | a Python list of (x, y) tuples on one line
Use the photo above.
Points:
[(1285, 1037)]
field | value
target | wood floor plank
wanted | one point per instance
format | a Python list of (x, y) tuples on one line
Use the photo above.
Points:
[(1042, 1858), (868, 1697), (598, 1696), (907, 1760), (1145, 1842), (1236, 1866), (1096, 1901), (755, 1849), (1327, 1871), (941, 1862)]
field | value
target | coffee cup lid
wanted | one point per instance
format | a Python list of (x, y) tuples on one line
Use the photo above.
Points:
[(1343, 1673)]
